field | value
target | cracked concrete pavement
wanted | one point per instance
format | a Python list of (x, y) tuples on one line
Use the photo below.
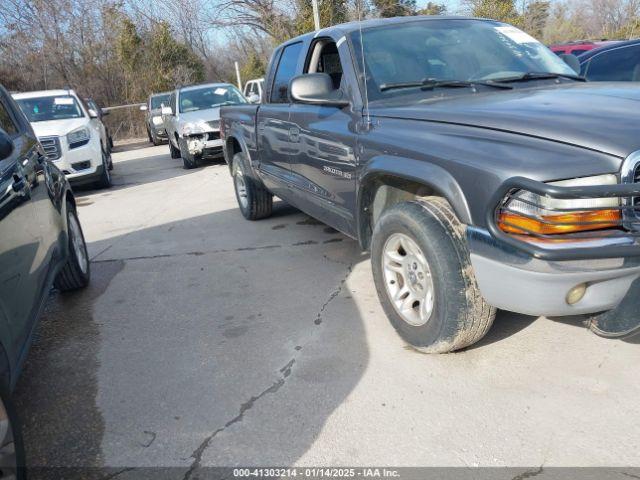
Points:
[(207, 340)]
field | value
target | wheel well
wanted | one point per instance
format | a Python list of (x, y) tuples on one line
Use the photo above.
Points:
[(232, 147), (383, 192)]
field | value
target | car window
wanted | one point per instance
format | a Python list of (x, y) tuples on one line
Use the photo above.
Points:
[(620, 64), (6, 122), (285, 72), (209, 97), (158, 100), (463, 50), (326, 60), (578, 51), (58, 107)]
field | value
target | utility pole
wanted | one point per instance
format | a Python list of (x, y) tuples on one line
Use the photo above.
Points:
[(316, 14), (238, 76)]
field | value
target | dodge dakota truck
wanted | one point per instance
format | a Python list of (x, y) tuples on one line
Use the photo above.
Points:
[(476, 167)]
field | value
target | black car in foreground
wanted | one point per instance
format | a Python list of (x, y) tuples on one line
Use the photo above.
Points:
[(41, 244), (619, 62), (477, 168)]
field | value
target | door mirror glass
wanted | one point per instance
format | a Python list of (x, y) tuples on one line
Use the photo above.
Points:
[(316, 88), (143, 108), (254, 98), (93, 113), (167, 111), (572, 61), (6, 145)]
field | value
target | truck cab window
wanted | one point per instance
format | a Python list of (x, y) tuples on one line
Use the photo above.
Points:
[(325, 59), (285, 72)]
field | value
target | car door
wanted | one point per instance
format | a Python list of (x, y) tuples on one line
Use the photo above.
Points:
[(273, 125), (27, 242), (324, 164), (621, 64)]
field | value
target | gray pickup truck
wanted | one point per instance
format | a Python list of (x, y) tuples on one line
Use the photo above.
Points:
[(477, 168)]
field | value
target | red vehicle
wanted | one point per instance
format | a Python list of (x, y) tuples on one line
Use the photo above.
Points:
[(579, 47)]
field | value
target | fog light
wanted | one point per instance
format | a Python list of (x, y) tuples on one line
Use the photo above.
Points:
[(576, 294)]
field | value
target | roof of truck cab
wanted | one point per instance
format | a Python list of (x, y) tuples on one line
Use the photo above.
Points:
[(43, 93), (349, 27), (204, 85)]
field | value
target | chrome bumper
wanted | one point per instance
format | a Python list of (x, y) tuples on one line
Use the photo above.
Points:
[(515, 280)]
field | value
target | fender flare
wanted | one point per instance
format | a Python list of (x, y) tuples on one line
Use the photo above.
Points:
[(419, 171), (244, 149)]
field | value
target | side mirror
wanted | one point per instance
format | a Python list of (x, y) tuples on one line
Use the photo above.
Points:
[(317, 89), (167, 111), (571, 60), (255, 98), (93, 113), (143, 108), (6, 145)]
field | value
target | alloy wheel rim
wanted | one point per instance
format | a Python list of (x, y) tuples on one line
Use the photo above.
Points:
[(77, 242), (241, 189), (8, 458), (408, 280)]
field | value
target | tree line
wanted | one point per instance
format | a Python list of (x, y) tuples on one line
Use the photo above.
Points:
[(120, 51)]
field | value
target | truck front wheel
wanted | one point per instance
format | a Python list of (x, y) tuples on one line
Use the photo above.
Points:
[(424, 278), (255, 201)]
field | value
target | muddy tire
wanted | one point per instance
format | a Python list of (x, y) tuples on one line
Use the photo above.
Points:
[(76, 273), (424, 278), (255, 201)]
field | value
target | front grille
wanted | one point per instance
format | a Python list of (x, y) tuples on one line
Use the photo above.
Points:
[(214, 136), (51, 147)]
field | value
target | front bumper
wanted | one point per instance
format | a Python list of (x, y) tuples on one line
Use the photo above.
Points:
[(514, 280), (76, 163), (533, 273), (208, 144)]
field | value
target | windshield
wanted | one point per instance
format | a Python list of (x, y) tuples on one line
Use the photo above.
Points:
[(209, 97), (462, 50), (158, 100), (41, 109)]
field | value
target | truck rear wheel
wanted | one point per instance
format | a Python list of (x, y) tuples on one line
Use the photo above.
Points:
[(424, 278), (255, 201)]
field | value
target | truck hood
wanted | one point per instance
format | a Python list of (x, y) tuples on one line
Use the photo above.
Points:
[(58, 128), (599, 116)]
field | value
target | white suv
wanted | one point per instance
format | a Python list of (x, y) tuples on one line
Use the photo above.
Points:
[(71, 134)]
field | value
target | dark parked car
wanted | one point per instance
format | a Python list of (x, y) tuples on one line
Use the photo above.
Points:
[(156, 130), (41, 244), (615, 63), (476, 166), (92, 105)]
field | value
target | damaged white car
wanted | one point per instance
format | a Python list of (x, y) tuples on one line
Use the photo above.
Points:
[(192, 120)]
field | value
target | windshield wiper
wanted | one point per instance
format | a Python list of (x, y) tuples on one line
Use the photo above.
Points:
[(431, 83), (539, 76)]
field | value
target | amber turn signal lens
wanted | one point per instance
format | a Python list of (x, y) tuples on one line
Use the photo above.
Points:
[(563, 223)]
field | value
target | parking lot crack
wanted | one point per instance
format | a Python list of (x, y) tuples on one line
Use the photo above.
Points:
[(285, 372), (529, 473)]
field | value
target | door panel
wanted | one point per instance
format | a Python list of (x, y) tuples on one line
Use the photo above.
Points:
[(323, 165)]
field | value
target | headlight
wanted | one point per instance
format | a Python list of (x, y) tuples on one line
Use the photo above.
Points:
[(192, 129), (156, 120), (529, 213), (78, 137)]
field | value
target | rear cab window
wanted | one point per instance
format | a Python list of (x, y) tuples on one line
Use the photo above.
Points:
[(285, 71)]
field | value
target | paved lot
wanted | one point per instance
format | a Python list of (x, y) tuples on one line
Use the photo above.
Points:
[(205, 339)]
